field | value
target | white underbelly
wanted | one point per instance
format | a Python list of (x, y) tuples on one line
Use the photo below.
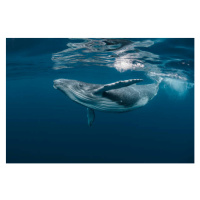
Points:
[(111, 106)]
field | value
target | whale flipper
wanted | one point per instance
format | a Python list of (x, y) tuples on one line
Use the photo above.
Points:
[(116, 85), (90, 116)]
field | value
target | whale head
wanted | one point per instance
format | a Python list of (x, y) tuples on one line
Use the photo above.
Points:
[(62, 84), (70, 85), (76, 90)]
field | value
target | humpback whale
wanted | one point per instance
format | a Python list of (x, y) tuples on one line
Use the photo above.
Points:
[(121, 96)]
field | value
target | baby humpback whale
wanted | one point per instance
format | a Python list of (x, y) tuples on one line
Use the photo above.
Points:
[(121, 96)]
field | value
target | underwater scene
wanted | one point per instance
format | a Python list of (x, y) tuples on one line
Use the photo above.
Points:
[(100, 100)]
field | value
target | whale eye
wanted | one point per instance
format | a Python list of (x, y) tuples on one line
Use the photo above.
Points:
[(80, 85)]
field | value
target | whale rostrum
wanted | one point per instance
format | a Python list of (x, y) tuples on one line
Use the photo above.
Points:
[(121, 96)]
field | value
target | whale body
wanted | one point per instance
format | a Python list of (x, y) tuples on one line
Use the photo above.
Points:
[(121, 96)]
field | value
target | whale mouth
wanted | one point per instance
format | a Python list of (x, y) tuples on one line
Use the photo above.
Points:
[(56, 83)]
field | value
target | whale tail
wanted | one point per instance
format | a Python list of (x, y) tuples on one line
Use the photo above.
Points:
[(159, 80)]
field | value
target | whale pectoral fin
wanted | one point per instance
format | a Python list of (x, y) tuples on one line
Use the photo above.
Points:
[(117, 85), (90, 116)]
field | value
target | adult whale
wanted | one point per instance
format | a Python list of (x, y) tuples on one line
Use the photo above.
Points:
[(121, 96)]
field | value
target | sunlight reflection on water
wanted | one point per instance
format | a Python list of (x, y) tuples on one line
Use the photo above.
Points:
[(124, 55)]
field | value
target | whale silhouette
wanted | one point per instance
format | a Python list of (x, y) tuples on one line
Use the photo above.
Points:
[(121, 96)]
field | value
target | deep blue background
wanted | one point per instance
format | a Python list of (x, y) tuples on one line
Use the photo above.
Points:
[(44, 126)]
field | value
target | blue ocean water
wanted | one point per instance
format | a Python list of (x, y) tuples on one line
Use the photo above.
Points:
[(45, 126)]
